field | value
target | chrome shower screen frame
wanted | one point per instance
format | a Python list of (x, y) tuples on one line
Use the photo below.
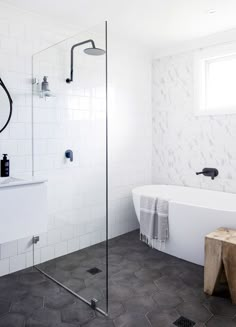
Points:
[(73, 116)]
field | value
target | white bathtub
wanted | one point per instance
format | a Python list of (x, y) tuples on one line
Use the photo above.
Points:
[(193, 213)]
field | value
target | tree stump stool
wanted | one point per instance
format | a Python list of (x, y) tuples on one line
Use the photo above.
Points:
[(220, 258)]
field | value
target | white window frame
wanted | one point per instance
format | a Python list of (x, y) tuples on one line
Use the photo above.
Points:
[(202, 60)]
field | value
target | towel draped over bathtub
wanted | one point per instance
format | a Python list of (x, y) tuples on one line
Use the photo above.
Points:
[(154, 224)]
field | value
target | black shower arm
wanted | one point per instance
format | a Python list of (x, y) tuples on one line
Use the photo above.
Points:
[(72, 57), (6, 90), (10, 101)]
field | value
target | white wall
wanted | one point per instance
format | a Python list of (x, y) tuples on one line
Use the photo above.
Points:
[(182, 142), (129, 137), (129, 72)]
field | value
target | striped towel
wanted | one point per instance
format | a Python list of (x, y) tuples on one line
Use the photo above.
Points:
[(153, 220)]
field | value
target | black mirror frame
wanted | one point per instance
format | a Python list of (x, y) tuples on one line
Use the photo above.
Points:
[(10, 101)]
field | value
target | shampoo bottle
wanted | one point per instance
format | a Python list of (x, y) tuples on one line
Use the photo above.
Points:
[(5, 166)]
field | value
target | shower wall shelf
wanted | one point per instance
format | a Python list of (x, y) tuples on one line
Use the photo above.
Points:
[(40, 90)]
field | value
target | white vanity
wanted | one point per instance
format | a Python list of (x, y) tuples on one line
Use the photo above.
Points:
[(23, 208)]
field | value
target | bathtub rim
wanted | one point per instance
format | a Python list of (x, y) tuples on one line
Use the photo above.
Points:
[(187, 203)]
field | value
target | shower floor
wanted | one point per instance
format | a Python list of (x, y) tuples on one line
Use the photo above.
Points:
[(146, 288)]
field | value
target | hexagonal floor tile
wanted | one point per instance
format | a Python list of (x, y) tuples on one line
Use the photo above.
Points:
[(148, 274), (122, 276), (59, 325), (129, 266), (34, 323), (128, 281), (113, 259), (162, 318), (140, 304), (100, 322), (195, 311), (119, 293), (59, 301), (115, 308), (12, 320), (74, 314), (89, 293), (193, 279), (27, 305), (44, 316), (98, 282), (31, 278), (4, 307), (145, 289), (60, 275), (169, 284), (133, 256), (221, 307), (190, 294), (13, 292), (153, 263), (218, 321), (172, 270), (90, 262), (131, 320), (118, 250), (133, 292), (8, 281), (45, 288), (66, 263), (166, 300), (75, 284)]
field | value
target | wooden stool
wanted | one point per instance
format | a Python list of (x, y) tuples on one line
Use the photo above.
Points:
[(220, 258)]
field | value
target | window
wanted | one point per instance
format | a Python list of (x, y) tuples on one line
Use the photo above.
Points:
[(215, 81)]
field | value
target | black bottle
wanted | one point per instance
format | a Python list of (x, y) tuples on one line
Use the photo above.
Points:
[(5, 166)]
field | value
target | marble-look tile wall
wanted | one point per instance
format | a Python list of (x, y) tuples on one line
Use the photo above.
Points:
[(184, 143)]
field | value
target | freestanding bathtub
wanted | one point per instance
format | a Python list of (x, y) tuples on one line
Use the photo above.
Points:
[(193, 213)]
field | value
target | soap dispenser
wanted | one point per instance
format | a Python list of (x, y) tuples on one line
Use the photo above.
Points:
[(5, 166)]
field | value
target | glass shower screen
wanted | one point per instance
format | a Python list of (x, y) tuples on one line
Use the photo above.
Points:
[(70, 151)]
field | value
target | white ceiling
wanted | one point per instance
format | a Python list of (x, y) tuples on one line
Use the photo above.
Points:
[(154, 23)]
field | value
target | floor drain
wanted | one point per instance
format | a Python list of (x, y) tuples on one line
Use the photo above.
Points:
[(94, 271), (184, 322)]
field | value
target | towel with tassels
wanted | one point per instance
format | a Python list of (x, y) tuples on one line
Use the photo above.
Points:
[(154, 224)]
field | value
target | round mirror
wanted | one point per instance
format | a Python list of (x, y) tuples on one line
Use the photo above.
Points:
[(5, 106)]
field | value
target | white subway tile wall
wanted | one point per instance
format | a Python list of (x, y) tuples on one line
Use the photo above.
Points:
[(4, 266), (17, 262), (74, 119), (8, 249)]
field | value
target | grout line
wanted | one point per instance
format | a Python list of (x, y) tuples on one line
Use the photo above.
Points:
[(148, 319)]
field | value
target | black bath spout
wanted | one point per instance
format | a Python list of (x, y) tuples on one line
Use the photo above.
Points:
[(69, 155), (210, 172)]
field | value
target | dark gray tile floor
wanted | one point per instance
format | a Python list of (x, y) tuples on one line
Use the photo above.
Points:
[(146, 288)]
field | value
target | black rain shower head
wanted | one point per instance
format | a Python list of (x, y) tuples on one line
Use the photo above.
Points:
[(93, 51)]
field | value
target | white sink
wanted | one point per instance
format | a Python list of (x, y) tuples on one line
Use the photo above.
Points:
[(13, 181), (23, 208)]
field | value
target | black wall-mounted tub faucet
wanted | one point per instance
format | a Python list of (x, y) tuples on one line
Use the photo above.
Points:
[(69, 155), (210, 172)]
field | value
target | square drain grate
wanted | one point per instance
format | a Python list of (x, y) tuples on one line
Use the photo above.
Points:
[(94, 271), (184, 322)]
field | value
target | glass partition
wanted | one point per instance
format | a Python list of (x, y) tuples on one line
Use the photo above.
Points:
[(69, 150)]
